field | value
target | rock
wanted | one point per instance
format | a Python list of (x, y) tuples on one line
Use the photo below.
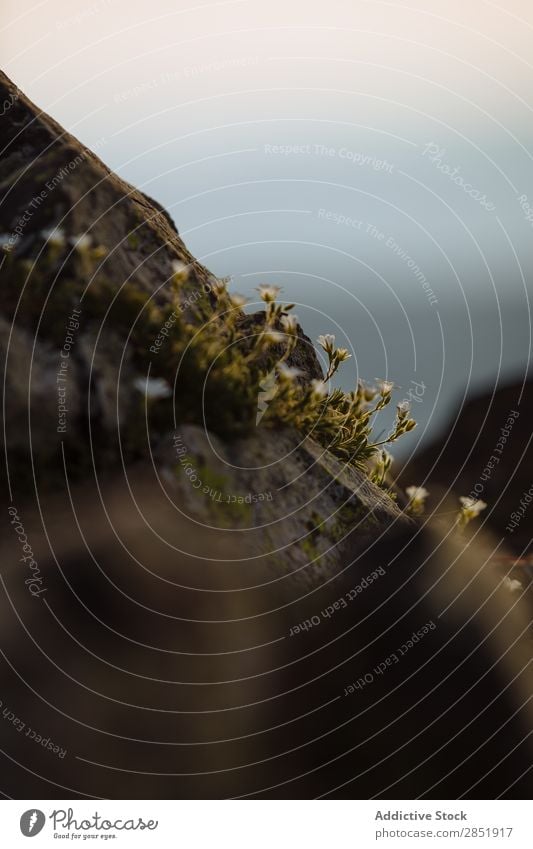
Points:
[(303, 357), (168, 660), (293, 501), (48, 179)]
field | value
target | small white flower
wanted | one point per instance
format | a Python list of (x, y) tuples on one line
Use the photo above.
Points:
[(387, 459), (273, 337), (237, 301), (470, 509), (368, 392), (319, 388), (417, 493), (327, 342), (179, 270), (472, 505), (81, 242), (219, 287), (403, 409), (268, 294), (417, 500), (385, 387), (268, 383), (512, 584), (154, 387), (268, 390), (289, 372), (290, 324), (55, 236), (342, 354)]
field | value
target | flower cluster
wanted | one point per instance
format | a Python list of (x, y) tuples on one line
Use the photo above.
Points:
[(232, 379), (340, 421)]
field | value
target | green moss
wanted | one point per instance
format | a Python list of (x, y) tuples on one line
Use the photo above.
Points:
[(215, 495), (318, 522), (214, 480), (310, 548), (353, 515)]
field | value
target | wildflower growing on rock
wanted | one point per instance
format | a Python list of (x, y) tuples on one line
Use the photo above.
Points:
[(268, 294), (342, 354), (385, 387), (417, 500), (82, 242), (180, 271), (237, 301), (289, 373), (470, 509), (403, 410), (274, 311), (253, 372), (154, 387), (327, 342), (336, 356), (272, 337), (368, 393), (290, 324), (512, 584), (318, 389), (382, 465), (55, 236), (403, 423)]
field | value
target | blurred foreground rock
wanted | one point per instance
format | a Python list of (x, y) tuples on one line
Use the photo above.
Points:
[(170, 660)]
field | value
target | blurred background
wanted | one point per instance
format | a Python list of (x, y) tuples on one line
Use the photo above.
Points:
[(373, 158)]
